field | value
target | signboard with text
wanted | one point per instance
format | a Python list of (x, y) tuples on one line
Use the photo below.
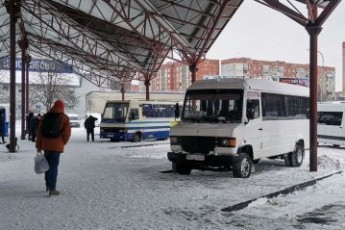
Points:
[(38, 65)]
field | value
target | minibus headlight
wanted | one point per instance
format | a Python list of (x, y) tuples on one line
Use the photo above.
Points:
[(227, 142), (174, 141)]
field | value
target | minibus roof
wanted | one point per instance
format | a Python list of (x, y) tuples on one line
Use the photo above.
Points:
[(261, 85)]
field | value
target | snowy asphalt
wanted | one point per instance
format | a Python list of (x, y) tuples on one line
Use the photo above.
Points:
[(106, 185)]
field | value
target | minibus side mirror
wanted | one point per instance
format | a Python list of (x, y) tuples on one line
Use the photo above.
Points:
[(177, 110)]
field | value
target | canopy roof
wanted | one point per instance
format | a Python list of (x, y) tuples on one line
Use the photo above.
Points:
[(114, 39)]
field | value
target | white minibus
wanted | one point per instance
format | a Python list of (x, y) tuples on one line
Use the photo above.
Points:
[(330, 123), (136, 120), (231, 123)]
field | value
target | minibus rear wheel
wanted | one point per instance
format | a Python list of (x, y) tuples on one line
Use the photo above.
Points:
[(295, 158)]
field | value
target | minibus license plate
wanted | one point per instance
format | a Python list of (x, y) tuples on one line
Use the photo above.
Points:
[(195, 157)]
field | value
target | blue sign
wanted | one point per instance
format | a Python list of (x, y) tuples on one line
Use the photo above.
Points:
[(38, 65)]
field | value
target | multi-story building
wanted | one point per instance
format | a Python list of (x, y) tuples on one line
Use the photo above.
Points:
[(176, 77), (246, 67)]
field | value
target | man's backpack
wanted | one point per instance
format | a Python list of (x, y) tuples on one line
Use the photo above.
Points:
[(51, 126)]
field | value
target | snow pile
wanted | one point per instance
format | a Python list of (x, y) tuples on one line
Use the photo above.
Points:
[(331, 161)]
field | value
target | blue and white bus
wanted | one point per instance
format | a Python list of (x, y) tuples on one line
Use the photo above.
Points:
[(136, 120)]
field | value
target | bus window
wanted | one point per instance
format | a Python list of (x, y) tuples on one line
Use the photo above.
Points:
[(253, 108), (134, 114), (147, 110), (330, 118)]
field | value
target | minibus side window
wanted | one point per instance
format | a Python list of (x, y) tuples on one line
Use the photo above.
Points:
[(253, 108), (330, 118), (134, 114)]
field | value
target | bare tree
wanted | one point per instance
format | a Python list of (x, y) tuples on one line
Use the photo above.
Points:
[(50, 87)]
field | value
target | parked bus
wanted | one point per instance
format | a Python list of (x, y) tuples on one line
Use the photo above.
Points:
[(232, 123), (5, 113), (330, 123), (136, 120)]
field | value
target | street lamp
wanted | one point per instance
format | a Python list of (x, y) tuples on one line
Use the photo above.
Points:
[(319, 82), (321, 76), (323, 60)]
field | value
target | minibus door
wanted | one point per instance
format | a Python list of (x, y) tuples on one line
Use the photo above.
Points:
[(342, 128), (254, 128)]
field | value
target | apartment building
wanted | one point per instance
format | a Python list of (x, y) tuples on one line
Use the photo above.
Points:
[(176, 77), (293, 73)]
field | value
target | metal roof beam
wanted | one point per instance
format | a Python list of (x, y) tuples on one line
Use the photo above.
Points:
[(77, 37)]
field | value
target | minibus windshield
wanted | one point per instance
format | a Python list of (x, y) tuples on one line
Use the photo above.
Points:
[(115, 112), (213, 106)]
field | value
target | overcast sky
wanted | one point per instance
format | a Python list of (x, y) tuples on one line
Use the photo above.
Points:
[(259, 32)]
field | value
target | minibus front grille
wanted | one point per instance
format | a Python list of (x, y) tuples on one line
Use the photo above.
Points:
[(198, 144), (112, 130)]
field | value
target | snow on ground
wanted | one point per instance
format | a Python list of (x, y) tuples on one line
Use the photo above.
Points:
[(108, 185)]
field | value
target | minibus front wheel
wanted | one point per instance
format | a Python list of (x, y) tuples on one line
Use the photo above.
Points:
[(242, 166), (137, 137)]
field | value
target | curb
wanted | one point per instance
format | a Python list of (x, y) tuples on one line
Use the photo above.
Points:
[(286, 191)]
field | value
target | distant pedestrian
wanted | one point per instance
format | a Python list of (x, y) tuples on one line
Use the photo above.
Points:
[(89, 125), (34, 126), (28, 125), (2, 127), (54, 131)]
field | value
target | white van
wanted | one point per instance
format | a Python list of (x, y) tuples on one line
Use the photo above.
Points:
[(74, 120), (330, 123), (231, 123)]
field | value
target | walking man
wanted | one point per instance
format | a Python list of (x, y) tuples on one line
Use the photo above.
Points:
[(54, 131), (89, 125), (2, 125), (28, 125)]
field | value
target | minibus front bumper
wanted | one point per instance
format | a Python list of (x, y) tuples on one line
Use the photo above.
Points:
[(113, 136), (201, 160)]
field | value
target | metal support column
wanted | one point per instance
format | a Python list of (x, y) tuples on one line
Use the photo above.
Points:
[(147, 87), (23, 44), (13, 10), (123, 91), (313, 31), (193, 69), (27, 63)]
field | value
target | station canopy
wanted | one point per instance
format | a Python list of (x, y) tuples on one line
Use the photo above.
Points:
[(115, 39)]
